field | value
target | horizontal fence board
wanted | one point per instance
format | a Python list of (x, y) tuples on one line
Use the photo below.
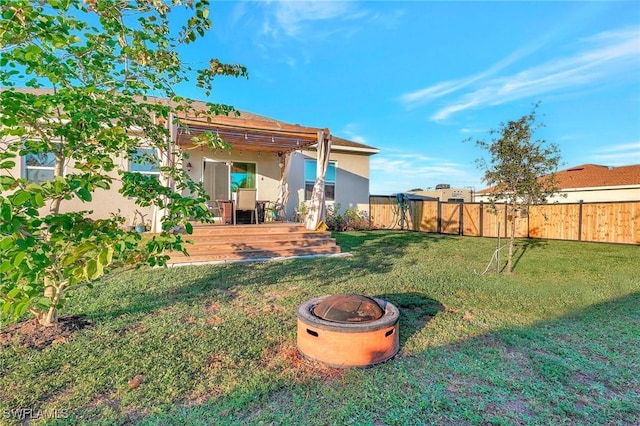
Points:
[(383, 212), (429, 216), (450, 218), (555, 221), (412, 216), (471, 219), (611, 222)]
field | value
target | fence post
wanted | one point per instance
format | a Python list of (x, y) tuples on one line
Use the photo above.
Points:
[(481, 218), (580, 221), (439, 218), (461, 218)]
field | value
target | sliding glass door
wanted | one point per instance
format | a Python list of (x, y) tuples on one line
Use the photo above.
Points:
[(215, 178), (220, 178)]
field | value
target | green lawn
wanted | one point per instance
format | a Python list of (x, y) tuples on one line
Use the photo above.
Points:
[(558, 342)]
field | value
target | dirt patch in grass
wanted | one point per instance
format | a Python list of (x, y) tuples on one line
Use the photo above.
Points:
[(286, 358), (30, 334), (516, 406)]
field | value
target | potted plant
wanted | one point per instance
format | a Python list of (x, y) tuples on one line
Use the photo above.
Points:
[(301, 212), (139, 222)]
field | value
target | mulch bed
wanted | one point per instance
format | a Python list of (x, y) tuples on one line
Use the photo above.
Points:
[(30, 334)]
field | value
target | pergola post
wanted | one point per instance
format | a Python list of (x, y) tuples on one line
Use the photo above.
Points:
[(316, 205)]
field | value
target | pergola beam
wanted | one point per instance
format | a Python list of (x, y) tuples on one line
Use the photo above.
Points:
[(251, 134)]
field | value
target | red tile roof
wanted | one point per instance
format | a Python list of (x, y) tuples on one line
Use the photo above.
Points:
[(594, 176)]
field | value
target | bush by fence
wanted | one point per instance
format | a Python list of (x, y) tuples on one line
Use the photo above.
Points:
[(611, 222)]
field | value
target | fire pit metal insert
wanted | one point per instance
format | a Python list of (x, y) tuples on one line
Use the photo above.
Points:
[(348, 308)]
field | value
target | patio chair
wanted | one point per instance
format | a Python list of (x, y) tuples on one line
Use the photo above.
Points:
[(245, 201), (276, 209), (215, 208)]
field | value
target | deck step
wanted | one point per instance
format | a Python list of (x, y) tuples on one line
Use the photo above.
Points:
[(218, 243), (266, 237), (251, 254)]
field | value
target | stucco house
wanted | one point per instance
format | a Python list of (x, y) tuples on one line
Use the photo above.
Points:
[(278, 159), (592, 183)]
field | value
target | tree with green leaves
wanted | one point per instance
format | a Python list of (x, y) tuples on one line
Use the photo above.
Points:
[(100, 60), (520, 171)]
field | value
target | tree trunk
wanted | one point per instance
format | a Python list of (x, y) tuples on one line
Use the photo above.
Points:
[(512, 239), (50, 316)]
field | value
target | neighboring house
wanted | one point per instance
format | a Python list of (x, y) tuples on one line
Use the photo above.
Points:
[(592, 183), (445, 193), (276, 158)]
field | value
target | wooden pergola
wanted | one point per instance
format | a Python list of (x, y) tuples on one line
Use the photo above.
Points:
[(250, 134), (264, 135)]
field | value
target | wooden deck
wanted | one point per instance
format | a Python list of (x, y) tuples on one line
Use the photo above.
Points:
[(229, 243)]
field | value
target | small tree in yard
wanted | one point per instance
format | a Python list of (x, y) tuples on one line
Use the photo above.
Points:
[(520, 171), (100, 59)]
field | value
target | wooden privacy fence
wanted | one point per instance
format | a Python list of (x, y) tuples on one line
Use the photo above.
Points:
[(611, 222)]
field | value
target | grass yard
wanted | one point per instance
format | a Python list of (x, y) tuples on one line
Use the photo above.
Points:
[(558, 342)]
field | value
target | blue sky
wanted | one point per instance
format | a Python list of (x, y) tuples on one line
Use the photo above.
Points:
[(415, 79)]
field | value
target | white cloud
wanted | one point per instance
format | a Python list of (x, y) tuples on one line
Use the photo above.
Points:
[(351, 131), (292, 16), (634, 147), (617, 155), (601, 58), (422, 96), (399, 171), (468, 130), (318, 19)]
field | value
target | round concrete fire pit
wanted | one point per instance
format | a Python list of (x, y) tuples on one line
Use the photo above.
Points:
[(348, 330)]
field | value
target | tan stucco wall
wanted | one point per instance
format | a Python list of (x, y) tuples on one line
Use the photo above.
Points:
[(267, 168), (590, 195), (352, 179), (103, 203), (598, 195)]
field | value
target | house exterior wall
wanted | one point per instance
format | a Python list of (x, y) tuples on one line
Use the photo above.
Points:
[(268, 171), (352, 179), (628, 193), (598, 194), (103, 203), (351, 191)]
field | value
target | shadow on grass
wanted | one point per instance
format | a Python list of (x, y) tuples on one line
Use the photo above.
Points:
[(522, 246), (395, 240), (416, 310), (578, 369), (376, 253)]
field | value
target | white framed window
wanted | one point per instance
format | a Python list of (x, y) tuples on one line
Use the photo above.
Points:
[(39, 168), (146, 162), (310, 179)]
